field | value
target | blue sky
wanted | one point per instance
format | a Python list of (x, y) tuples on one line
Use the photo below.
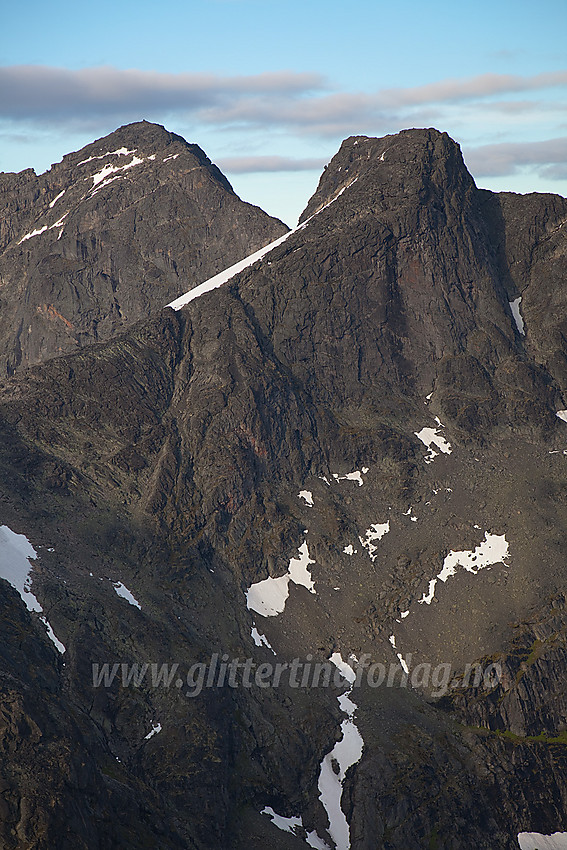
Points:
[(269, 89)]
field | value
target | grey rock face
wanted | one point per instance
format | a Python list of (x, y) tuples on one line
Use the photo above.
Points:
[(110, 235), (171, 457)]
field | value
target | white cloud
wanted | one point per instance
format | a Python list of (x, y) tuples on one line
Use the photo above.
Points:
[(292, 105), (283, 99), (50, 94), (258, 164), (508, 157), (485, 85)]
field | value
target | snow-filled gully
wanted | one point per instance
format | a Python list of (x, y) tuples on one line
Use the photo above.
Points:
[(15, 554), (345, 753), (268, 598), (226, 275)]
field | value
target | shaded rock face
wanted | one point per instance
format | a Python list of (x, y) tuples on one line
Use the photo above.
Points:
[(170, 459), (531, 250), (110, 235), (426, 258)]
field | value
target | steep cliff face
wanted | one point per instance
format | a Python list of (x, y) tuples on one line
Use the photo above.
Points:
[(361, 413), (111, 234), (409, 248)]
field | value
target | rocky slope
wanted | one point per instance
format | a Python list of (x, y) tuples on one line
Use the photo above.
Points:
[(111, 234), (286, 414)]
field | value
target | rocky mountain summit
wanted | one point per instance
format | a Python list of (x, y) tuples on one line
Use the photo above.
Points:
[(109, 235), (347, 458)]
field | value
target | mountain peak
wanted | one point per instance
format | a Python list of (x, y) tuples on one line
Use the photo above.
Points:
[(145, 139), (412, 161), (110, 235)]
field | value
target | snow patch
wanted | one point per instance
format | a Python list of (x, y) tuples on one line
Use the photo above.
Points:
[(260, 640), (123, 591), (343, 666), (431, 437), (515, 308), (102, 175), (536, 841), (344, 754), (105, 183), (307, 495), (118, 152), (562, 414), (54, 201), (375, 532), (298, 571), (492, 550), (352, 476), (52, 636), (285, 824), (314, 841), (155, 730), (226, 275), (33, 233), (268, 597), (399, 655), (15, 553), (294, 825), (349, 550), (59, 222), (428, 597)]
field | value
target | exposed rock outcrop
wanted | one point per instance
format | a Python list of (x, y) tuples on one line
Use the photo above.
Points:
[(109, 235), (172, 460)]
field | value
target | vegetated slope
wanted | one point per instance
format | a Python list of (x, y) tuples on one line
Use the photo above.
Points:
[(109, 235), (171, 461)]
